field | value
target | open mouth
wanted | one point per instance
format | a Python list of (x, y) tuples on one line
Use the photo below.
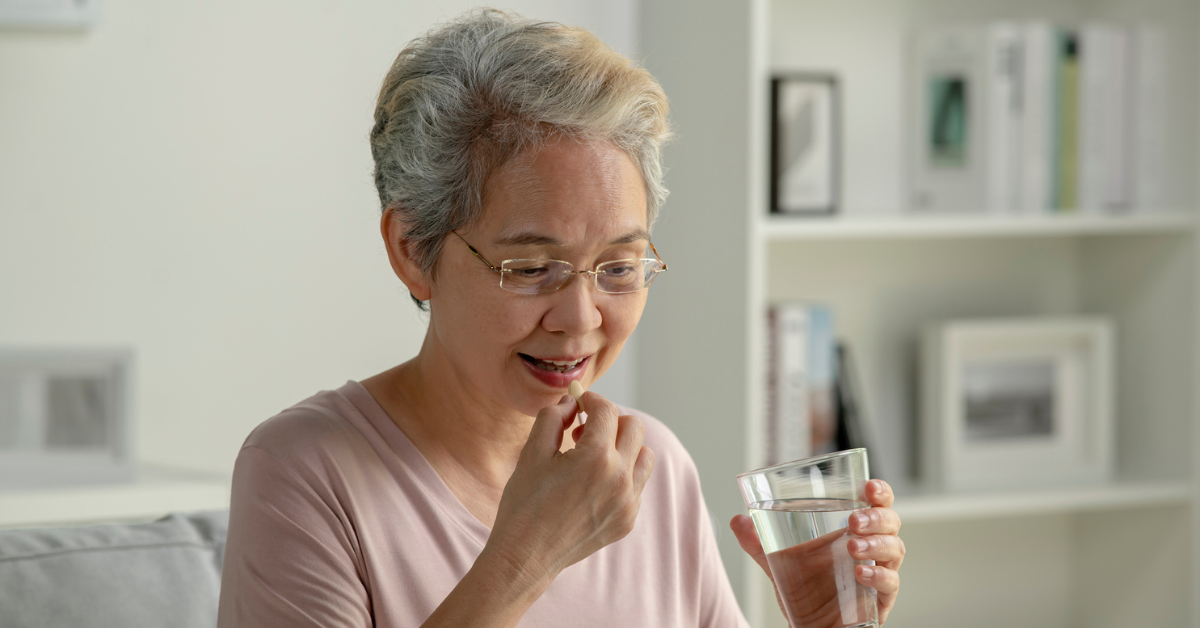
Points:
[(557, 366)]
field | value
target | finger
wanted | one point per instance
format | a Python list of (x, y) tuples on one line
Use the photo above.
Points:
[(747, 537), (879, 493), (577, 432), (602, 421), (545, 438), (880, 548), (885, 581), (642, 468), (630, 433), (875, 521)]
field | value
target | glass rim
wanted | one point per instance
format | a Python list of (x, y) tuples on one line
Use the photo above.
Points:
[(803, 461)]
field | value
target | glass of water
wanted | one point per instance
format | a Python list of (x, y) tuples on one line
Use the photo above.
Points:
[(801, 511)]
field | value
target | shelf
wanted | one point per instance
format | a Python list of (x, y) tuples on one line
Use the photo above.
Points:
[(156, 492), (958, 507), (925, 226)]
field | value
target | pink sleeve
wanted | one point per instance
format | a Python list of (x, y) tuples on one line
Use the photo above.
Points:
[(290, 559)]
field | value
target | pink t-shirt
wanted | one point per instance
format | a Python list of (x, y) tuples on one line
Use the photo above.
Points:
[(338, 520)]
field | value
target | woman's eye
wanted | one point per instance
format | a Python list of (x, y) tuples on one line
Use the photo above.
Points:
[(531, 272)]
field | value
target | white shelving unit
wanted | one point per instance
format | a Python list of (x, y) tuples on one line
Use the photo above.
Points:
[(940, 508), (862, 226), (1117, 555)]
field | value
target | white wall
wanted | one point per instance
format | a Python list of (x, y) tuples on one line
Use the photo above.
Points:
[(193, 180)]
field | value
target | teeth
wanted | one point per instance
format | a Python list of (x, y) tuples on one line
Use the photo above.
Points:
[(561, 366)]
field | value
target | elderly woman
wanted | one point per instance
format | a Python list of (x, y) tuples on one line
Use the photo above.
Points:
[(518, 167)]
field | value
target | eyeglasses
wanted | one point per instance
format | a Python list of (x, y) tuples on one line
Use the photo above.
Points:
[(539, 276)]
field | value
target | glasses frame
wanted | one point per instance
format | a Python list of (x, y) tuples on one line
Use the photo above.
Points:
[(594, 274)]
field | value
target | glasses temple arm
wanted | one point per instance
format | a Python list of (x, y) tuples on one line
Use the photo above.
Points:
[(478, 254), (656, 255)]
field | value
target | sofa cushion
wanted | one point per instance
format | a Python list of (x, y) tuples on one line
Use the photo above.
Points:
[(163, 573)]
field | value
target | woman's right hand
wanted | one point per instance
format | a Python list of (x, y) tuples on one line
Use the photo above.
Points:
[(561, 507)]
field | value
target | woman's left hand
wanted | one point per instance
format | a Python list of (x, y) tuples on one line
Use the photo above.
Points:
[(876, 538)]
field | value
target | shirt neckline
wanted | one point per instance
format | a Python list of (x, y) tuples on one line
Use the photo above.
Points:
[(424, 473)]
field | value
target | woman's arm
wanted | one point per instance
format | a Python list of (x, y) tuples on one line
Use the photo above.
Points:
[(289, 559)]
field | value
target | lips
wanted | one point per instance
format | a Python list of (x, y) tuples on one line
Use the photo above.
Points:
[(557, 371)]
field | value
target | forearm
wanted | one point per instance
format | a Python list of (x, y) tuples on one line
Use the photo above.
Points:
[(495, 593)]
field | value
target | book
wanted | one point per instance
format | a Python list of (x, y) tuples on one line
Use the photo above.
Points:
[(1066, 121), (1005, 116), (801, 419), (1103, 118), (1037, 121), (853, 430), (949, 103), (1149, 116)]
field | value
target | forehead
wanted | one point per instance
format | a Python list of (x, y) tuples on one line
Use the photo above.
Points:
[(567, 189)]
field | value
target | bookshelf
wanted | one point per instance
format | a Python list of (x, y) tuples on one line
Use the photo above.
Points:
[(1110, 555), (851, 227)]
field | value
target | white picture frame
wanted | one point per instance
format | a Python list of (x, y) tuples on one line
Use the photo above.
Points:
[(69, 14), (66, 417), (1017, 403)]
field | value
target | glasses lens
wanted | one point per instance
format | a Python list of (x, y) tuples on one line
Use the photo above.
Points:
[(627, 275), (534, 276)]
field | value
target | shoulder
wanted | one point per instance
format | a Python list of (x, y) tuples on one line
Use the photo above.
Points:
[(308, 433), (669, 453)]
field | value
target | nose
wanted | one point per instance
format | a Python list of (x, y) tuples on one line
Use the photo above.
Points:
[(574, 310)]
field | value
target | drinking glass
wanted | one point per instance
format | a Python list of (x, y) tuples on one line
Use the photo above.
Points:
[(801, 511)]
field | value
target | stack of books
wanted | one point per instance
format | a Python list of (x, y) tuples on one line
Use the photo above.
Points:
[(1035, 117), (813, 397)]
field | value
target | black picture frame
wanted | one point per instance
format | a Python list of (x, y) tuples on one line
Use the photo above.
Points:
[(805, 118)]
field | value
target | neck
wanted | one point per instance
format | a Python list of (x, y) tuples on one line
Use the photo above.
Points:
[(457, 427)]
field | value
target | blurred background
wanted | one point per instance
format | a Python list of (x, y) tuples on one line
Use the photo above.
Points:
[(189, 244)]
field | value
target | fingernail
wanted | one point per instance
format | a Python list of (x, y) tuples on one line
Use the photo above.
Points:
[(564, 399), (868, 572), (860, 519), (859, 545)]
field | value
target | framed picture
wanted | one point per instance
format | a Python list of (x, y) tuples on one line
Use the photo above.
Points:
[(48, 13), (1017, 403), (65, 417), (805, 150)]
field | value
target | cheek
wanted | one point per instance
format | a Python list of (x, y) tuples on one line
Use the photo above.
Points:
[(619, 322)]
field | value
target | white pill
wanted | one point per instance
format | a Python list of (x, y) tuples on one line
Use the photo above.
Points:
[(575, 389)]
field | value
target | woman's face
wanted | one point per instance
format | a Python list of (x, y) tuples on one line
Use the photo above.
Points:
[(582, 203)]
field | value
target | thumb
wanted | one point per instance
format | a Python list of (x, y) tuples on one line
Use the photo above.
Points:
[(545, 438), (743, 529)]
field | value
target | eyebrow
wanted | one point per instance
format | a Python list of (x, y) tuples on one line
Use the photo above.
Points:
[(531, 238)]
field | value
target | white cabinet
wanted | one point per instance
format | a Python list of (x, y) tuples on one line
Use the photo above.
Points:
[(1119, 555)]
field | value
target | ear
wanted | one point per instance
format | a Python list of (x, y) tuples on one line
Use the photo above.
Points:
[(400, 255)]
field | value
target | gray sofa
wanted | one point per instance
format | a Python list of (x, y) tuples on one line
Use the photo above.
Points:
[(162, 573)]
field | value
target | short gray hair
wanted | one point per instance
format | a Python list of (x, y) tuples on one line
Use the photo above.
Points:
[(469, 95)]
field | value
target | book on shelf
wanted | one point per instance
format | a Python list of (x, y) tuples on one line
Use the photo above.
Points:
[(1036, 122), (853, 430), (947, 171), (1149, 115), (1004, 124), (1036, 117), (801, 354), (1066, 120)]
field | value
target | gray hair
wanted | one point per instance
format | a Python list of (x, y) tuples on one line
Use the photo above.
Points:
[(466, 97)]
